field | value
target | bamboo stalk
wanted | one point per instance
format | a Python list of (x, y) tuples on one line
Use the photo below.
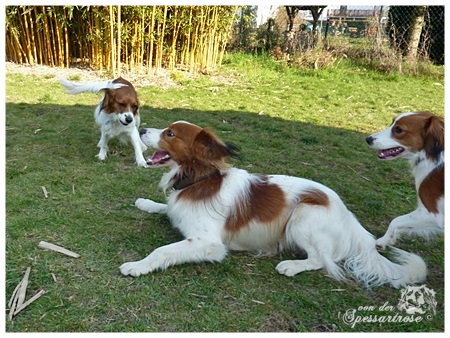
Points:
[(32, 32), (161, 41), (152, 25), (99, 55), (58, 31), (66, 40), (52, 41), (142, 39), (113, 45), (47, 41), (39, 35), (27, 36), (188, 44), (119, 40)]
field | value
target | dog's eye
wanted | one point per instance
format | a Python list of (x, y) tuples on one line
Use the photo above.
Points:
[(398, 130), (123, 105), (135, 107), (169, 133)]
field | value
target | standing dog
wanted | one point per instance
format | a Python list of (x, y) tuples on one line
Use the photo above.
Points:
[(117, 114), (219, 208), (419, 137)]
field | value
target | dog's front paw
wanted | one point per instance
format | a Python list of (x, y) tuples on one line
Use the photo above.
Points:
[(143, 146), (101, 156), (134, 269), (143, 204), (142, 163), (150, 206)]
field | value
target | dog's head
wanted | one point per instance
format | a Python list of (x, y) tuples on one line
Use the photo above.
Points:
[(409, 134), (121, 100), (194, 149)]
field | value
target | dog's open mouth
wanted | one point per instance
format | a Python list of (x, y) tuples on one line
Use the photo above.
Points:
[(160, 157), (387, 154)]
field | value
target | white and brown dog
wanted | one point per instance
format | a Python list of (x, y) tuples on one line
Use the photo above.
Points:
[(220, 208), (117, 114), (418, 137)]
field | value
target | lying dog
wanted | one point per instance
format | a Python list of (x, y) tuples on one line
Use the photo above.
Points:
[(419, 137), (117, 114), (219, 208)]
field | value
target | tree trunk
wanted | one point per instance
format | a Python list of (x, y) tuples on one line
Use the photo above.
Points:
[(288, 47), (416, 31)]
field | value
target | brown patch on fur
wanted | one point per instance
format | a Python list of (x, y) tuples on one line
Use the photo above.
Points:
[(432, 189), (121, 100), (264, 203), (202, 190), (420, 131), (315, 197)]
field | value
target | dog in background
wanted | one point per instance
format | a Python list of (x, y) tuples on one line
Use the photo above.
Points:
[(220, 208), (418, 137), (117, 114)]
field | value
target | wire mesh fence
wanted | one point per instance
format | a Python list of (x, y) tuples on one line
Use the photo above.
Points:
[(414, 31), (409, 32)]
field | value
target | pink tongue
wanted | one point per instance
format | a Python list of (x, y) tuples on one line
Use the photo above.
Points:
[(391, 152), (157, 157)]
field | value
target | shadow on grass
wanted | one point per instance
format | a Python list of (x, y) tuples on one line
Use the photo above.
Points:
[(55, 136), (90, 209)]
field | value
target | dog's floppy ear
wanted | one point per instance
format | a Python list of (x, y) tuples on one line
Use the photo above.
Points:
[(208, 146), (108, 99), (434, 136)]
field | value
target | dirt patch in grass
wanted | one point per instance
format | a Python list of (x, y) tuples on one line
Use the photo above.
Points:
[(160, 78), (279, 323)]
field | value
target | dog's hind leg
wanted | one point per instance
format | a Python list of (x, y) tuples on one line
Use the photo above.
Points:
[(190, 250), (293, 267)]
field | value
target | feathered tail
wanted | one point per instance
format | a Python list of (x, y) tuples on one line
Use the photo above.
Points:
[(93, 87), (371, 268)]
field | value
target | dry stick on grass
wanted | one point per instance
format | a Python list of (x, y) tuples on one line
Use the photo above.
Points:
[(57, 248), (45, 192), (17, 302), (18, 295), (13, 297), (29, 301), (13, 301), (23, 288)]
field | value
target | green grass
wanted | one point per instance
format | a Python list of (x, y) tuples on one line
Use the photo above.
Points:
[(313, 125)]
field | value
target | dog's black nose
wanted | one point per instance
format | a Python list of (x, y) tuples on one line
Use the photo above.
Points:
[(142, 131), (369, 140), (128, 119)]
